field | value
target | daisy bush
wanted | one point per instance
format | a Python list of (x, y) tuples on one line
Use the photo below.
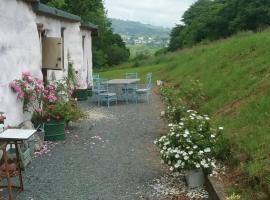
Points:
[(190, 143)]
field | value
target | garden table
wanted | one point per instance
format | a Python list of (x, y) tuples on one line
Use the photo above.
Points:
[(124, 82), (15, 136)]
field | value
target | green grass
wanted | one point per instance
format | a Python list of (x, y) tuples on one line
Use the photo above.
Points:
[(235, 74), (137, 49)]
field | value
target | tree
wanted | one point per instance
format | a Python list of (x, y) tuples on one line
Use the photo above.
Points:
[(94, 11), (214, 19)]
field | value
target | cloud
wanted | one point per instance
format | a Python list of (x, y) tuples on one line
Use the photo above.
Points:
[(157, 12)]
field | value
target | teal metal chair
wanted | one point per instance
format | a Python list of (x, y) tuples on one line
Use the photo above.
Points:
[(131, 75), (106, 97), (96, 88), (95, 76), (129, 91), (146, 91)]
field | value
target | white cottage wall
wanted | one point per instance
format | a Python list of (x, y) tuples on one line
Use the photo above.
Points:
[(19, 52), (72, 46), (87, 56)]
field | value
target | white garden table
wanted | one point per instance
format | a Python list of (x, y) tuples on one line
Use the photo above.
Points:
[(123, 82), (15, 136)]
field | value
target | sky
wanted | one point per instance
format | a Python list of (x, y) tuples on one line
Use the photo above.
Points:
[(164, 13)]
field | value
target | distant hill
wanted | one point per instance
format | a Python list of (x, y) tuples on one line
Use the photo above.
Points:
[(132, 28), (139, 33)]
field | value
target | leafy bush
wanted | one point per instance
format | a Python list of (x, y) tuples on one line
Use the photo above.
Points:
[(193, 94), (68, 111), (190, 144), (176, 112)]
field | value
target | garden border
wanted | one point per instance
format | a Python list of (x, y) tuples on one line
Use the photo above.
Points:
[(215, 188)]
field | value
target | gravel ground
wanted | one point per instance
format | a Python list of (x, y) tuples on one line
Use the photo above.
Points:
[(109, 156)]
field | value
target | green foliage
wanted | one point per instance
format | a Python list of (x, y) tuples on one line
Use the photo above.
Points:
[(137, 50), (193, 94), (71, 76), (116, 55), (68, 111), (72, 112), (94, 11), (190, 143), (235, 76), (208, 20)]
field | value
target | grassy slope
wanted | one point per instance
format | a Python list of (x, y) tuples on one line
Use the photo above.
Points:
[(137, 49), (235, 75)]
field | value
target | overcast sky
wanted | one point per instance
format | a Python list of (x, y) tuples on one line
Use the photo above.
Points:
[(165, 13)]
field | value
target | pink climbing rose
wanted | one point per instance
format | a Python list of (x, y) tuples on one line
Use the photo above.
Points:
[(29, 90)]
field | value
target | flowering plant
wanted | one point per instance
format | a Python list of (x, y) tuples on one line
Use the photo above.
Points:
[(29, 90), (190, 144), (57, 91)]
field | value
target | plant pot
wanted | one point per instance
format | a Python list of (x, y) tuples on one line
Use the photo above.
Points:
[(194, 178), (80, 94), (89, 92), (54, 130)]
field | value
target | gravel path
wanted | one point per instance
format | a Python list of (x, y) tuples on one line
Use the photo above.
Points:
[(109, 156)]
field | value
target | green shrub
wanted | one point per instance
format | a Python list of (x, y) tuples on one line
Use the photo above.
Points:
[(190, 144)]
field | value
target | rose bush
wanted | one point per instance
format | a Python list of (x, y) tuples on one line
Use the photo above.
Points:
[(29, 90)]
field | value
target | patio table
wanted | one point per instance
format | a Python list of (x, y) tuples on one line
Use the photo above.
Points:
[(124, 82), (15, 136)]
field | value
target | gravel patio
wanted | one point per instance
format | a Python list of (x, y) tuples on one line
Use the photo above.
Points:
[(111, 155)]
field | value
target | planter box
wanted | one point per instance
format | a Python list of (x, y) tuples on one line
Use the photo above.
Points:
[(54, 130), (81, 94)]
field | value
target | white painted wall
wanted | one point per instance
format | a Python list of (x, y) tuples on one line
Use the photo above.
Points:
[(87, 57), (19, 52), (72, 47)]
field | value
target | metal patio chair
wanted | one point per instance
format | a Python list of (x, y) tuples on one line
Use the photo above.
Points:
[(130, 89), (106, 97), (97, 89), (146, 91)]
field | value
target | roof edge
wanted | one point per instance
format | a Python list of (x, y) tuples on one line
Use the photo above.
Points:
[(90, 26), (41, 8)]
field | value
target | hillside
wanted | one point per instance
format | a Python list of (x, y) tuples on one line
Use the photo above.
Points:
[(235, 75), (137, 33)]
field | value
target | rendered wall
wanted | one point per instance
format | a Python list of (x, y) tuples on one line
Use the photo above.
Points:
[(72, 46), (87, 57), (19, 52)]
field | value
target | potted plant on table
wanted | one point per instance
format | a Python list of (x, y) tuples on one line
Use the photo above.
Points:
[(189, 147)]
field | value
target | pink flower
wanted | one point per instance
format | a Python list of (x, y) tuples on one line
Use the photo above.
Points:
[(38, 110), (39, 82), (24, 74)]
